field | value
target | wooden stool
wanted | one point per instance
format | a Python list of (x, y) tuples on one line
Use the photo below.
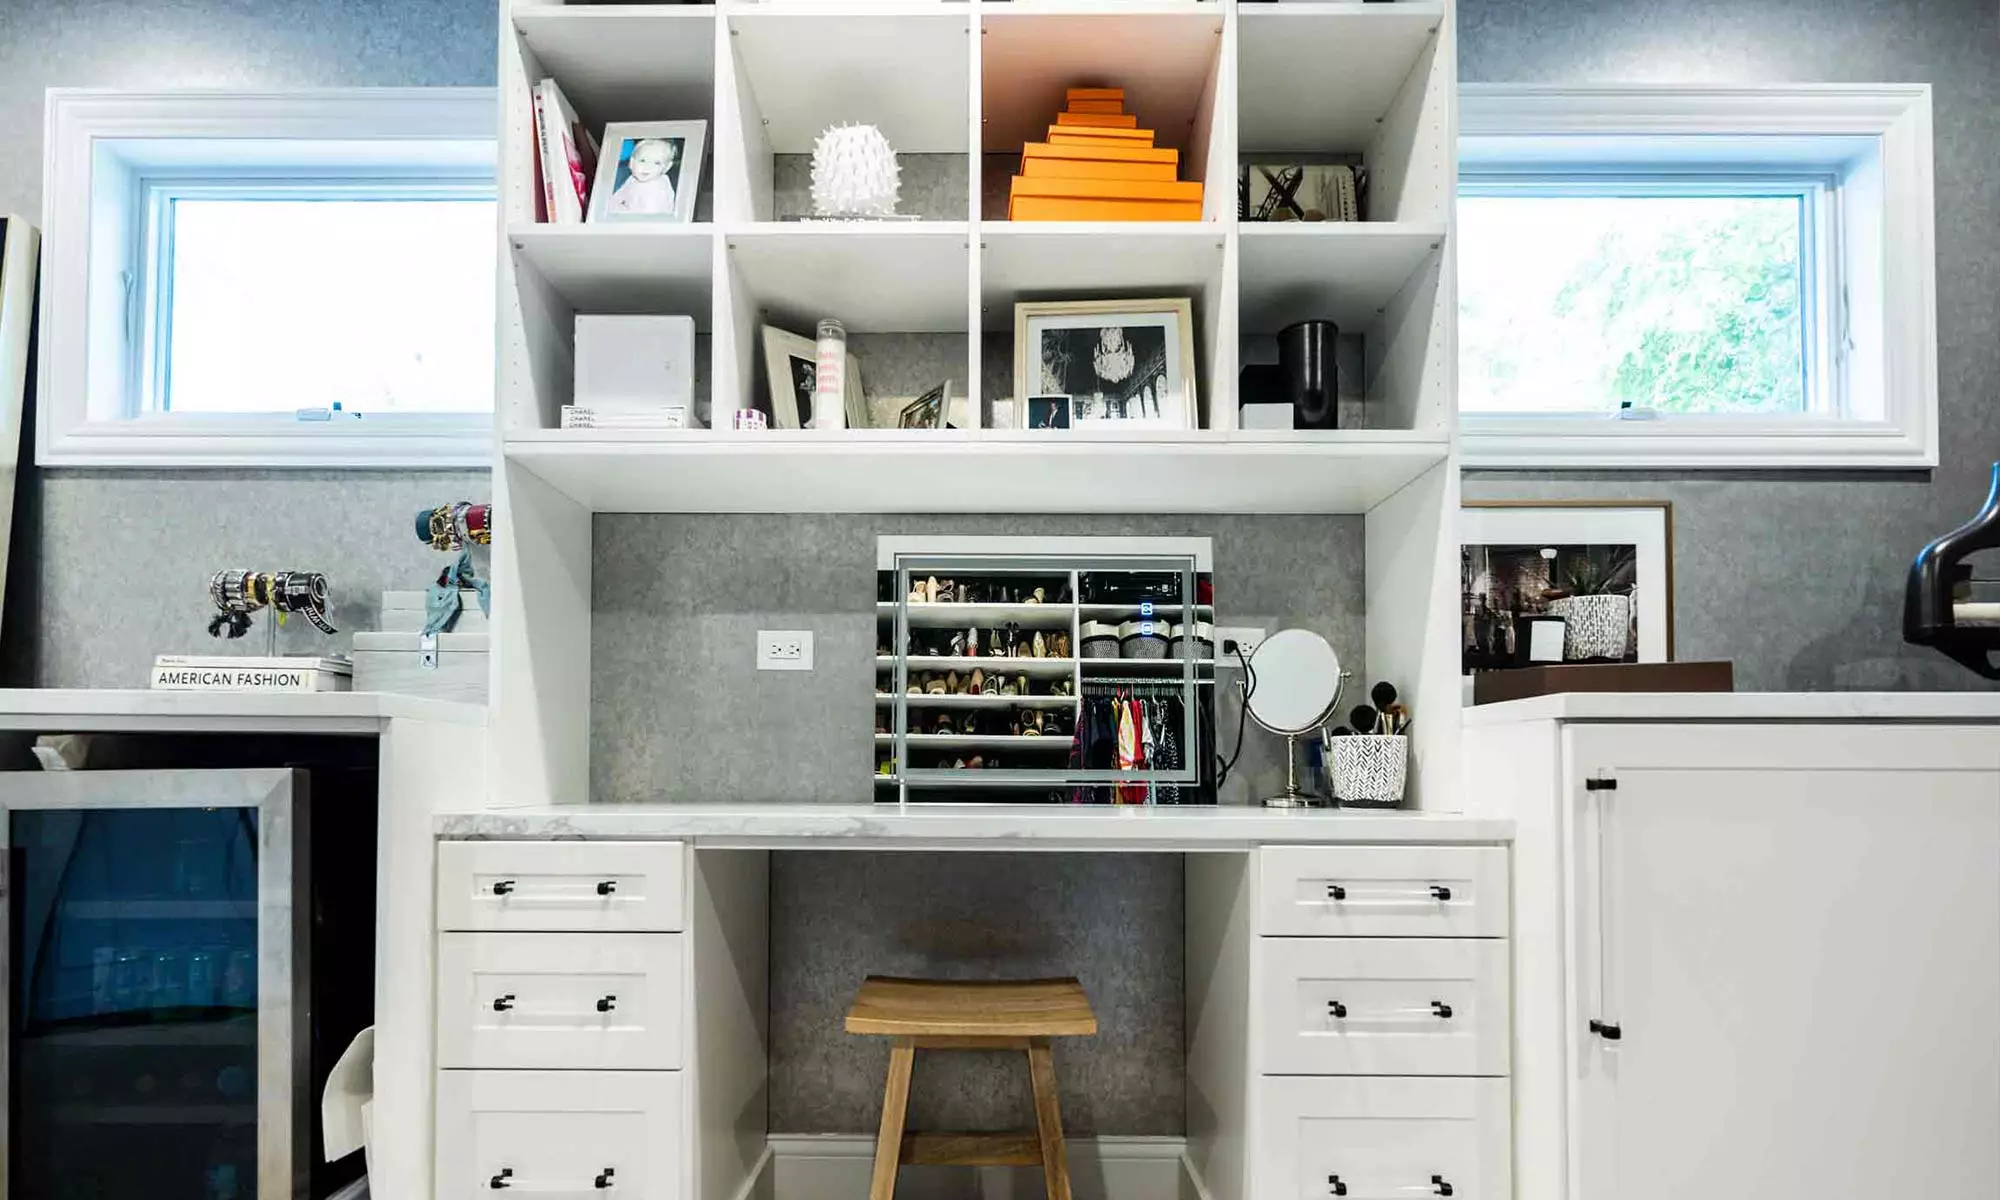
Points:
[(928, 1014)]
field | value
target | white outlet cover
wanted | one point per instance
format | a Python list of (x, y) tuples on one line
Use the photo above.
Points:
[(784, 650), (1248, 637)]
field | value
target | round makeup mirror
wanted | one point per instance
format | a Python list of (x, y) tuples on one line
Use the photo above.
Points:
[(1297, 685)]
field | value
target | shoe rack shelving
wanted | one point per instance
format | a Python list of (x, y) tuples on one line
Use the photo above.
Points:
[(1222, 81)]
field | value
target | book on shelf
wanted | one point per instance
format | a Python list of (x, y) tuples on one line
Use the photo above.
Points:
[(669, 416), (568, 155), (221, 673)]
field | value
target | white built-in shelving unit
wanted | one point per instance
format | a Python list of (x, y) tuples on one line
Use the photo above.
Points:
[(1222, 81)]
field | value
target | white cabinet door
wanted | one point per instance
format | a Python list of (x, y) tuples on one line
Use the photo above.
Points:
[(572, 1134), (598, 1001), (1382, 1006), (1793, 933)]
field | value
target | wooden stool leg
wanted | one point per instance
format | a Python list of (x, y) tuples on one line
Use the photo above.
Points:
[(1048, 1118), (895, 1106)]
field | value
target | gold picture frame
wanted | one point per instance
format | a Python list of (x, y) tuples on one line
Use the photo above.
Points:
[(1155, 384)]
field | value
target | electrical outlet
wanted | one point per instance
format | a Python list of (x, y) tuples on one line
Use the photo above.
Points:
[(784, 650), (1245, 638)]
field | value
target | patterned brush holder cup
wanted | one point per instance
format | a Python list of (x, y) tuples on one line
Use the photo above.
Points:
[(1369, 769)]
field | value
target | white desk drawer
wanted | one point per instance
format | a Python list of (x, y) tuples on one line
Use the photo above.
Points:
[(1382, 891), (604, 887), (1383, 1139), (548, 1000), (559, 1133), (1383, 1006)]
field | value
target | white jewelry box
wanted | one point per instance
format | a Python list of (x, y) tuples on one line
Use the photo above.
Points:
[(634, 362)]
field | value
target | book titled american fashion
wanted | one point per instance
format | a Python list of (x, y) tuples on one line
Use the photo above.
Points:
[(568, 155), (217, 673)]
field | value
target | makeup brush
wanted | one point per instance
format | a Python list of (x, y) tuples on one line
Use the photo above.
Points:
[(1362, 718), (1383, 694)]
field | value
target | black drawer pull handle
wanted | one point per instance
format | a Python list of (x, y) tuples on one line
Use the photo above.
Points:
[(607, 1003), (1334, 1184), (1336, 1009), (500, 1181), (503, 886), (606, 886), (1440, 892), (502, 1004), (1440, 1186), (1607, 1031), (1336, 892), (603, 1179), (1442, 1010)]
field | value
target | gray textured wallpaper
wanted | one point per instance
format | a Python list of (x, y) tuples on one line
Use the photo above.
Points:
[(1112, 920), (1799, 577), (93, 537), (679, 712)]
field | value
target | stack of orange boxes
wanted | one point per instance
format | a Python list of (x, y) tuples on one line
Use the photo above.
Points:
[(1098, 165)]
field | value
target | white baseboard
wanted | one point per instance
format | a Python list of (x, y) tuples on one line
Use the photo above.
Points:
[(837, 1166)]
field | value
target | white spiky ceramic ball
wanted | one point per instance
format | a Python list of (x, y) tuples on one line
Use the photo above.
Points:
[(854, 173)]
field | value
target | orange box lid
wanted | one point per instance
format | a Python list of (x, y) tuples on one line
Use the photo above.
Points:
[(1107, 189), (1096, 168), (1101, 150), (1098, 107), (1035, 208), (1092, 133), (1095, 93), (1099, 120)]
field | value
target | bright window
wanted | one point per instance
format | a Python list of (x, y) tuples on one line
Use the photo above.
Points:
[(258, 289), (1696, 277), (1603, 303), (269, 279)]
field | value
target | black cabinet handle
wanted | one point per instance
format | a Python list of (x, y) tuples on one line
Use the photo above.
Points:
[(606, 886), (1607, 1031), (503, 1003), (1440, 892), (607, 1003), (500, 1181), (1440, 1187), (503, 886), (603, 1179), (1335, 892), (1336, 1009), (1335, 1186), (1442, 1010)]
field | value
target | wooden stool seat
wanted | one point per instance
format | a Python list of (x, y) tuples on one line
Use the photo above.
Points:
[(934, 1014)]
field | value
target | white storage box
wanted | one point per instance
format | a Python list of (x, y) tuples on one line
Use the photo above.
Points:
[(403, 612), (628, 362), (399, 662)]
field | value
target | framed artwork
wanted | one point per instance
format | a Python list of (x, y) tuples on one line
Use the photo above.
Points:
[(1565, 581), (1296, 192), (648, 171), (790, 362), (1122, 363), (18, 248), (1048, 412)]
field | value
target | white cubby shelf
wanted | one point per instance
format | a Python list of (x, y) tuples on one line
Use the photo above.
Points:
[(958, 86)]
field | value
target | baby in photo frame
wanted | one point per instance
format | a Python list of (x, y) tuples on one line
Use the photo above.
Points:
[(649, 187)]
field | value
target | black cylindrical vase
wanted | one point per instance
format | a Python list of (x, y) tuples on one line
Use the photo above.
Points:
[(1305, 353)]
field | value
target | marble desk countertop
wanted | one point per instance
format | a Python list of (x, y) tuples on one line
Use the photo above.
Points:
[(1948, 707), (971, 826)]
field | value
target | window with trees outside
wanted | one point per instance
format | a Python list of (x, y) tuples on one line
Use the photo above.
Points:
[(1686, 277)]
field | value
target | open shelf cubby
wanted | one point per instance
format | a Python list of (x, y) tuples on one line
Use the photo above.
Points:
[(958, 87)]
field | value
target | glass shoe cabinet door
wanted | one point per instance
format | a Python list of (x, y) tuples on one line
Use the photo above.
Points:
[(151, 976), (1081, 673)]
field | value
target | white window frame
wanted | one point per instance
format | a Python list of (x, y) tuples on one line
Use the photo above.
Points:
[(104, 185), (1862, 151)]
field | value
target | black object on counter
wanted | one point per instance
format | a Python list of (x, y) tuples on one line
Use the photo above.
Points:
[(1928, 601)]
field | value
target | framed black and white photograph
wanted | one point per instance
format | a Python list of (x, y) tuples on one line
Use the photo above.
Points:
[(1048, 412), (648, 171), (790, 364), (1547, 582), (1296, 192), (1128, 363), (18, 249)]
